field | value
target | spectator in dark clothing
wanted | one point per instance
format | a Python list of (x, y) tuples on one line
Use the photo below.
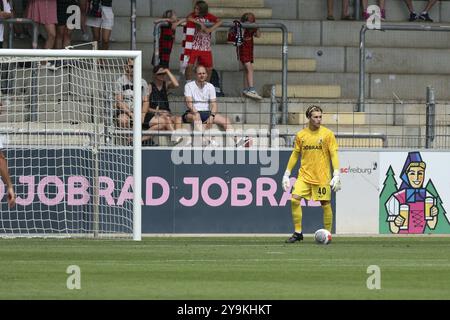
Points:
[(167, 37)]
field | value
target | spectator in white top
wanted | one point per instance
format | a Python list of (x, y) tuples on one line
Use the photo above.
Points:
[(200, 98)]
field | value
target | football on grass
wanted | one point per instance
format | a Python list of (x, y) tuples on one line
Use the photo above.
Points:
[(322, 236)]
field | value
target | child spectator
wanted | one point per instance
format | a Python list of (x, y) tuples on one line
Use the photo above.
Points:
[(201, 46), (245, 55), (167, 37)]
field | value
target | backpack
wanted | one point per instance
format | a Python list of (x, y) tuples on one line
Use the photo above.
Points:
[(94, 9), (235, 34), (215, 81)]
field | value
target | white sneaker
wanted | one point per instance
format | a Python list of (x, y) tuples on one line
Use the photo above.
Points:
[(177, 141), (244, 142), (253, 94)]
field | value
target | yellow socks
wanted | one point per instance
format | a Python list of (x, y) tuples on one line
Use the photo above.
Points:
[(327, 217), (297, 214)]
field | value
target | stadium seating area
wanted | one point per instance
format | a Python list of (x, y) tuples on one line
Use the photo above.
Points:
[(323, 66)]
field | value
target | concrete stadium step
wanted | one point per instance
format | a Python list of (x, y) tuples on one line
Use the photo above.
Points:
[(378, 86), (305, 91), (237, 12), (266, 38), (347, 34), (273, 64), (354, 118), (340, 59), (347, 82), (236, 3), (27, 133), (363, 129), (395, 10)]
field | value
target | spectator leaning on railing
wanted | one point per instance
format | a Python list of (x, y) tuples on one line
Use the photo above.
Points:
[(201, 46)]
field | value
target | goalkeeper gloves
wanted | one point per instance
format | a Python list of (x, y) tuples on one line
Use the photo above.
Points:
[(335, 183), (286, 183)]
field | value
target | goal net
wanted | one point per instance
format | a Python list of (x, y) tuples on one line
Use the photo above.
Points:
[(75, 172)]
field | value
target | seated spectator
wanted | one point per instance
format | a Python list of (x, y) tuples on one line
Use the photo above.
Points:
[(167, 37), (158, 94), (423, 16), (330, 10), (124, 103), (200, 98), (381, 4)]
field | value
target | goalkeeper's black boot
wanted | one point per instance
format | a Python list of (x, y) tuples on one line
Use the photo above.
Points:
[(295, 237)]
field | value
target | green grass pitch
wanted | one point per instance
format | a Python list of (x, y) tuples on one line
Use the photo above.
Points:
[(226, 268)]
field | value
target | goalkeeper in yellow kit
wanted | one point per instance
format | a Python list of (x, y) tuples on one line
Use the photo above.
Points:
[(317, 147)]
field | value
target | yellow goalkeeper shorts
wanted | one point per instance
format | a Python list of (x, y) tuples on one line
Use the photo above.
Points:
[(312, 191)]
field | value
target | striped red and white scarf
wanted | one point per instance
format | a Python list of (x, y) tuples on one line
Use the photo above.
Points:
[(186, 45)]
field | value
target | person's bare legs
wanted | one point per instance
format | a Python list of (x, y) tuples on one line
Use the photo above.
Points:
[(248, 67), (189, 72), (209, 71), (345, 8), (51, 36), (330, 8), (96, 35), (429, 5), (60, 30), (83, 9), (106, 34), (409, 5)]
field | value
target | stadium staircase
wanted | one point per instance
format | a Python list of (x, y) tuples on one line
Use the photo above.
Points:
[(322, 68)]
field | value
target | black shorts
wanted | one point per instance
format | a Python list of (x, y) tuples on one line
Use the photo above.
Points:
[(147, 118), (145, 125), (204, 115)]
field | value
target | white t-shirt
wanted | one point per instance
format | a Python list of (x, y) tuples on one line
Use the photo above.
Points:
[(200, 96), (124, 87), (6, 8)]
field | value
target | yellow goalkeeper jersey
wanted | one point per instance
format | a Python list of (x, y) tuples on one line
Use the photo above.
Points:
[(317, 149)]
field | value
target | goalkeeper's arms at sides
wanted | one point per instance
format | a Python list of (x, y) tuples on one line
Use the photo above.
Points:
[(7, 180), (291, 164), (335, 182)]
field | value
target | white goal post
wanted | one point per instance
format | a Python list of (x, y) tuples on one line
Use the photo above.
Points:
[(72, 166)]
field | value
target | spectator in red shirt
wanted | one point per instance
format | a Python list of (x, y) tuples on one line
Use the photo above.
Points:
[(201, 46), (245, 55)]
